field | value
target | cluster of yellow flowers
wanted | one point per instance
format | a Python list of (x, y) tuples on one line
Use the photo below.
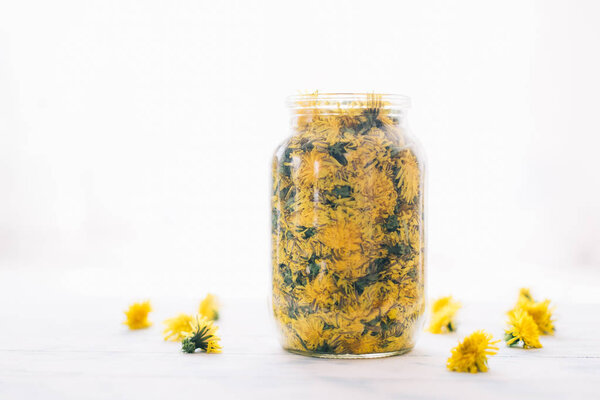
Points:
[(183, 325), (471, 354), (528, 320), (193, 331), (347, 231)]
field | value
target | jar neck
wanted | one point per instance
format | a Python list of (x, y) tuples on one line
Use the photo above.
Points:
[(339, 102), (353, 111)]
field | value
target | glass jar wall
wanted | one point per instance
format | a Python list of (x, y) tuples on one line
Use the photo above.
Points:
[(348, 239)]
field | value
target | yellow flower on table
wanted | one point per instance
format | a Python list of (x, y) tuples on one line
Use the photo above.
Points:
[(213, 346), (178, 327), (540, 311), (525, 295), (137, 315), (443, 311), (203, 337), (471, 354), (209, 307), (522, 329)]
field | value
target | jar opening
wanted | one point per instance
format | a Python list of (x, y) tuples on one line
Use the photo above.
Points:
[(335, 103)]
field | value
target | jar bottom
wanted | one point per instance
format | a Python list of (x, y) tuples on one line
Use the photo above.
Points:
[(349, 355)]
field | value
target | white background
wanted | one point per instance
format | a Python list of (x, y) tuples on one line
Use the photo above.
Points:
[(136, 137)]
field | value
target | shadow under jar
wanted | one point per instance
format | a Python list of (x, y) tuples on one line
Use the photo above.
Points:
[(348, 244)]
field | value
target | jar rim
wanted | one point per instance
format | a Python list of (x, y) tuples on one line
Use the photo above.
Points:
[(328, 101)]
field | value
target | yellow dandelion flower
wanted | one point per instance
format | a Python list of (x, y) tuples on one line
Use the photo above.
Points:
[(348, 264), (310, 330), (525, 295), (319, 292), (443, 311), (341, 234), (409, 176), (213, 346), (312, 166), (203, 337), (314, 334), (444, 302), (471, 354), (329, 128), (178, 327), (365, 154), (360, 311), (376, 193), (522, 329), (541, 313), (441, 322), (209, 307), (137, 315), (363, 344)]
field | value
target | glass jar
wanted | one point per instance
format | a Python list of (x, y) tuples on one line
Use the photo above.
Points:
[(348, 239)]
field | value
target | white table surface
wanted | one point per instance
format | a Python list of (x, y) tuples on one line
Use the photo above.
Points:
[(74, 347)]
